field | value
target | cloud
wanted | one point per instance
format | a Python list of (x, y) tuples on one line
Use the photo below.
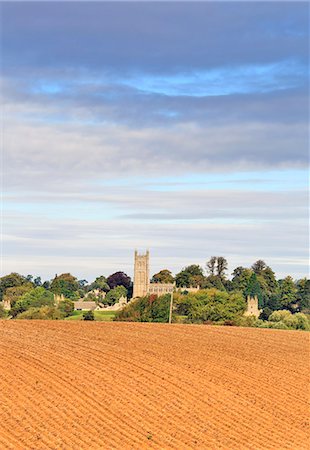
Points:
[(105, 102), (159, 37), (88, 248), (39, 154)]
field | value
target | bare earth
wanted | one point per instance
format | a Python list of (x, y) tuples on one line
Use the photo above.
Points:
[(79, 385)]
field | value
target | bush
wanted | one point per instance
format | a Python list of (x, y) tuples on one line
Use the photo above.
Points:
[(248, 321), (146, 309), (211, 304), (291, 321), (3, 312), (266, 312), (279, 316), (279, 325), (66, 307), (33, 299), (88, 315), (296, 321), (114, 295), (43, 313), (302, 322)]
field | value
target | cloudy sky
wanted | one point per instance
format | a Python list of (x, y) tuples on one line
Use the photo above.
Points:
[(178, 127)]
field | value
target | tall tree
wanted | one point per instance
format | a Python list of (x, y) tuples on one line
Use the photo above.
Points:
[(100, 283), (12, 294), (65, 284), (221, 267), (253, 288), (11, 280), (37, 281), (240, 278), (303, 293), (163, 276), (259, 266), (190, 276), (288, 293), (119, 279), (211, 264)]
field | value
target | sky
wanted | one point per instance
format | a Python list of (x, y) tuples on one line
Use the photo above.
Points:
[(177, 127)]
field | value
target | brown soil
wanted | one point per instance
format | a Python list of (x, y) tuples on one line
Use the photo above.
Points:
[(79, 385)]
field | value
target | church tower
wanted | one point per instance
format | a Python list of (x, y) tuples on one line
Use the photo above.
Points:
[(141, 278), (252, 307)]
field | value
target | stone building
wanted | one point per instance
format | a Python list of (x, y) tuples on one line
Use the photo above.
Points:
[(252, 307), (141, 281)]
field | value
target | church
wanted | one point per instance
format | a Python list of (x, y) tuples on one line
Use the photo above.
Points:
[(141, 282)]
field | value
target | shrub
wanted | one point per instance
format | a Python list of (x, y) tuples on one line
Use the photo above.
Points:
[(263, 324), (279, 325), (35, 298), (302, 322), (43, 313), (88, 315), (214, 305), (66, 307), (144, 310), (248, 321), (278, 316), (3, 313), (266, 312), (291, 321), (115, 294), (296, 321)]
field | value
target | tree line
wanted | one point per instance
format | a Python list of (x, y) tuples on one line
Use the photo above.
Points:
[(25, 292)]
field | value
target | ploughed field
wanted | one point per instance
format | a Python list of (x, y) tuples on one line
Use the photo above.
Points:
[(92, 385)]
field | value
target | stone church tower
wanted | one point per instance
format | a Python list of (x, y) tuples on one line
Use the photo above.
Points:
[(141, 275), (252, 307)]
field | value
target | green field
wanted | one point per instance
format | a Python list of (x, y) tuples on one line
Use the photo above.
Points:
[(100, 316)]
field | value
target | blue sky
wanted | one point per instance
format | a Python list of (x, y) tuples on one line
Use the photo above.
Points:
[(178, 127)]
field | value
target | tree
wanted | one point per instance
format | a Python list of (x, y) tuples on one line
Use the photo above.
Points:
[(270, 279), (221, 267), (11, 280), (114, 295), (211, 304), (190, 276), (100, 283), (211, 265), (253, 288), (259, 266), (146, 309), (266, 312), (65, 284), (303, 293), (46, 284), (82, 283), (66, 307), (217, 266), (241, 278), (288, 293), (37, 281), (36, 298), (213, 281), (88, 315), (164, 276), (13, 294), (119, 279)]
